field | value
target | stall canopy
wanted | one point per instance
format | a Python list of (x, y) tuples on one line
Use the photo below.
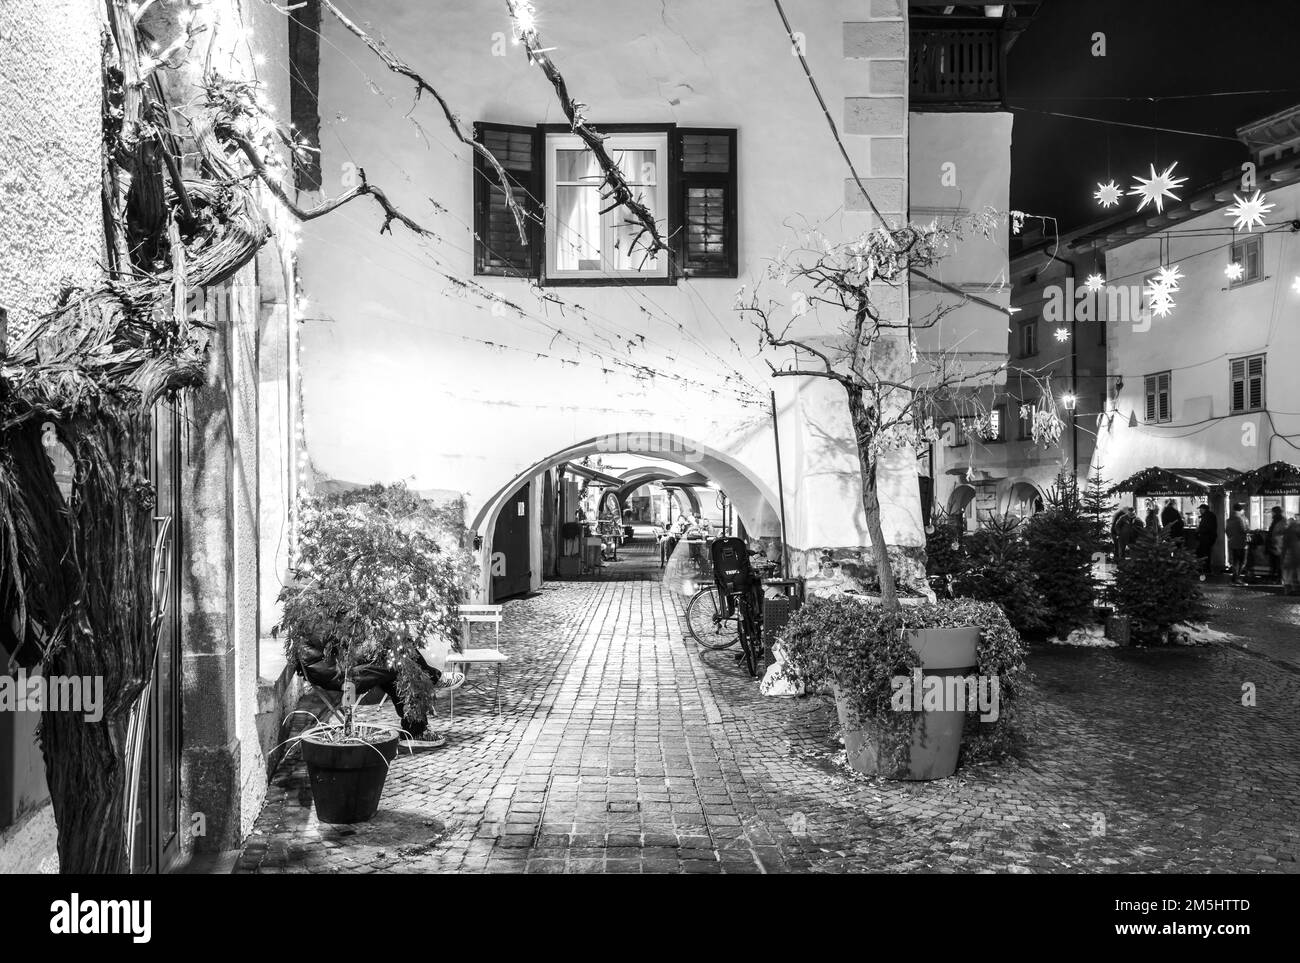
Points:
[(1279, 478), (1178, 481), (592, 475), (691, 480)]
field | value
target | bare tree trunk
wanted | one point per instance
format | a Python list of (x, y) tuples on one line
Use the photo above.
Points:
[(863, 431)]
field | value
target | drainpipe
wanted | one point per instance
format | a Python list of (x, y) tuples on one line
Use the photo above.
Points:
[(1074, 373)]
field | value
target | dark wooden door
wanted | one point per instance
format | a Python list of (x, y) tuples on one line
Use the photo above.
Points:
[(511, 572)]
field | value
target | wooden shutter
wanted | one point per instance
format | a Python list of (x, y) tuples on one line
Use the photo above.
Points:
[(498, 249), (707, 242), (1255, 382), (1162, 390), (1151, 397), (1238, 377)]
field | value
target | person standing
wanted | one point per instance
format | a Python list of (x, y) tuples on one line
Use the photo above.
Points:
[(1207, 530), (1171, 521), (1274, 544), (1291, 557), (1152, 520), (1238, 531), (1121, 530)]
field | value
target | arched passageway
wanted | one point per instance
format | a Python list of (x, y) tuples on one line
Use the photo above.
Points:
[(541, 499)]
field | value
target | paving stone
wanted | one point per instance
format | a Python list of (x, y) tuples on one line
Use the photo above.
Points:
[(622, 748)]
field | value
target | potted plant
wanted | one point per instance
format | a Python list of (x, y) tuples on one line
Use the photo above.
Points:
[(894, 674), (379, 573)]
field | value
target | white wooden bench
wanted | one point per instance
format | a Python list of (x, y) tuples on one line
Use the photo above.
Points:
[(470, 615)]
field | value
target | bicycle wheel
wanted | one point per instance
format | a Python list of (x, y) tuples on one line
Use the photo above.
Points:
[(707, 620)]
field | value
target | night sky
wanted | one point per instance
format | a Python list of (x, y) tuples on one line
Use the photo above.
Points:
[(1154, 49)]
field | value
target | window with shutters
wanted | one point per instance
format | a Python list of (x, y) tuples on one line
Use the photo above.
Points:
[(1247, 388), (1247, 253), (498, 247), (1158, 407), (685, 177)]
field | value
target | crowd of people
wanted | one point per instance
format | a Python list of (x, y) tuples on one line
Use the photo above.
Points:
[(1280, 541)]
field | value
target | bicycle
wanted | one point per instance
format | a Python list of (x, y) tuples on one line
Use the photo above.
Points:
[(718, 620)]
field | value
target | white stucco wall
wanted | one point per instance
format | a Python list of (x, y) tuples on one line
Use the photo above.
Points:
[(50, 235), (392, 388)]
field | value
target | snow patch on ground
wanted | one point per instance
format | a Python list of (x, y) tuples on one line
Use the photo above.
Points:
[(1092, 636), (1197, 633)]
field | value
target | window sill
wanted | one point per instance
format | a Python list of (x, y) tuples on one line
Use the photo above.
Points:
[(607, 282)]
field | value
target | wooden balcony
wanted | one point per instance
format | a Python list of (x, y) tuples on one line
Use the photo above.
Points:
[(957, 68)]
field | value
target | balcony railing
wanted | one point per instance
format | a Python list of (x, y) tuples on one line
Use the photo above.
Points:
[(957, 66)]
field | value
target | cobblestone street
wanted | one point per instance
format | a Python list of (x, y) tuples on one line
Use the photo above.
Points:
[(621, 749)]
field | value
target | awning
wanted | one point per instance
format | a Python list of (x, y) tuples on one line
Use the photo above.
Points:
[(1279, 478), (591, 474), (1178, 481)]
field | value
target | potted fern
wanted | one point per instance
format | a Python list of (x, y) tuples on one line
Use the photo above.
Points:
[(380, 573)]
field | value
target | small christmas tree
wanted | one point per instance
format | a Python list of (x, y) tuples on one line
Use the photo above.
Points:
[(1058, 547), (1098, 507), (1156, 587)]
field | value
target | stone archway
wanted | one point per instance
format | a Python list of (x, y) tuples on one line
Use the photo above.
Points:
[(755, 504)]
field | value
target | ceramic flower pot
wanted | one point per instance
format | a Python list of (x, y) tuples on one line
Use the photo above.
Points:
[(347, 779), (929, 747)]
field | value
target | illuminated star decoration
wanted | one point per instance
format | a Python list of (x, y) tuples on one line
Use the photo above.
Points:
[(1153, 190), (1107, 194), (1249, 213), (1062, 334), (1168, 277), (1159, 299), (1234, 270), (1094, 282), (1295, 285)]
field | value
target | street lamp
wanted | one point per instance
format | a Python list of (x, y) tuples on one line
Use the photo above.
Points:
[(1070, 401)]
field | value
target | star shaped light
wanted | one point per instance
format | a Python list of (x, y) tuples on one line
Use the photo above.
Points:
[(1159, 299), (1094, 282), (1249, 212), (1234, 270), (1062, 334), (1295, 285), (1154, 189), (1168, 278), (1107, 194)]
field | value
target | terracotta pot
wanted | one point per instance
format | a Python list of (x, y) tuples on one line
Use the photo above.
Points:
[(934, 745), (347, 779)]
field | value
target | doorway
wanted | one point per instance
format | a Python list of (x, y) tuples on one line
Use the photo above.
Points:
[(511, 570), (157, 815)]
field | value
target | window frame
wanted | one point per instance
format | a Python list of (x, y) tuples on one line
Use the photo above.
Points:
[(1257, 243), (1245, 360), (1148, 393), (553, 137), (1032, 325)]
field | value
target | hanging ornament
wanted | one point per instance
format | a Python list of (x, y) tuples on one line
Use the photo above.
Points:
[(1154, 189), (1107, 194), (1168, 278), (1295, 285), (1159, 299), (1094, 282), (1234, 270), (1249, 213), (1062, 334)]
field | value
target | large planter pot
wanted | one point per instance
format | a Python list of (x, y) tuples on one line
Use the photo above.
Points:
[(929, 748), (347, 778)]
